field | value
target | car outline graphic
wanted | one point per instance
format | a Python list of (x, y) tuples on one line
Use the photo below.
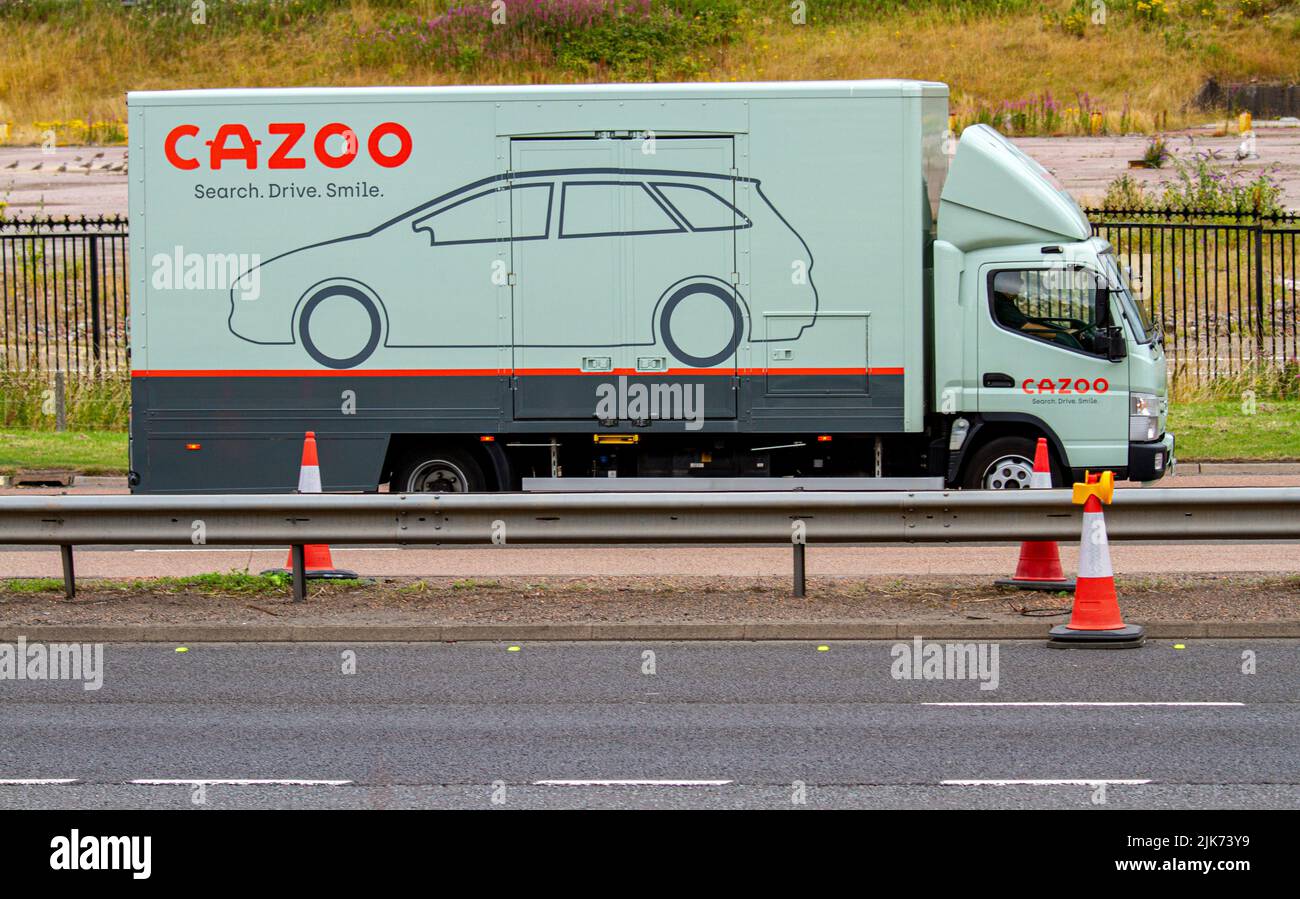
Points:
[(558, 182)]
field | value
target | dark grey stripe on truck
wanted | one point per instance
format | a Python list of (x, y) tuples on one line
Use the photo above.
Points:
[(250, 428)]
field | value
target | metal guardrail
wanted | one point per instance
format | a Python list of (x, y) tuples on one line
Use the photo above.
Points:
[(799, 518)]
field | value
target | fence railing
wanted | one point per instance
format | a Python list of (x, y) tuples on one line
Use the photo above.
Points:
[(797, 519), (1225, 287), (63, 295)]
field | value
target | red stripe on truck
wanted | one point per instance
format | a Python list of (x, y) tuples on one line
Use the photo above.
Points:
[(485, 372)]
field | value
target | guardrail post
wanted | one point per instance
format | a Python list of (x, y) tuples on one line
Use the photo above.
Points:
[(69, 577), (799, 585), (299, 572)]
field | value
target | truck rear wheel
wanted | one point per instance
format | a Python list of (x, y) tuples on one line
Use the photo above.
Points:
[(1004, 464), (437, 471)]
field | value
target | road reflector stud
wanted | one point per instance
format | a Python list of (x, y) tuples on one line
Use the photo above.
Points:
[(1095, 621), (823, 648), (1179, 646), (182, 649), (512, 649), (1039, 567)]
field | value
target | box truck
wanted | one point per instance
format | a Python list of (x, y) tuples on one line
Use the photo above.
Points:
[(475, 288)]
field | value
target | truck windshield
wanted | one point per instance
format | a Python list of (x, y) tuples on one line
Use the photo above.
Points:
[(1120, 288)]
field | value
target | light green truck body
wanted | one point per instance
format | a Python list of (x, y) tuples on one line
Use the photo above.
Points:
[(458, 288)]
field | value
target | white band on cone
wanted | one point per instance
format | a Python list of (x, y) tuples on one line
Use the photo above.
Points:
[(1040, 480), (309, 479), (1094, 550)]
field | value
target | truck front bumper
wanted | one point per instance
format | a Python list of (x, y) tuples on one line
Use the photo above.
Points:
[(1151, 461)]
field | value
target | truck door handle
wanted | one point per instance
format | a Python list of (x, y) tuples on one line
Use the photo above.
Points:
[(998, 379)]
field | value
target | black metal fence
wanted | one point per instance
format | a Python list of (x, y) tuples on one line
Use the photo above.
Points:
[(1225, 287), (63, 295)]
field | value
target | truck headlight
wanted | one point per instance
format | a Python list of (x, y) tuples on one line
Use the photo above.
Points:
[(1143, 404), (1144, 417)]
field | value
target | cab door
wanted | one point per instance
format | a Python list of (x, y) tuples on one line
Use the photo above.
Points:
[(1042, 354)]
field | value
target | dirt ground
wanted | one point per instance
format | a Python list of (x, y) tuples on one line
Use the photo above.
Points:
[(92, 180), (402, 601)]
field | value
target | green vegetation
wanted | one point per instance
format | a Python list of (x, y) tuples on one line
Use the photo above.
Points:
[(1137, 62), (1245, 429), (28, 400), (86, 452), (1198, 185), (231, 583)]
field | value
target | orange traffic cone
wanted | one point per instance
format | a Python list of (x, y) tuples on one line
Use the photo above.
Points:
[(1095, 622), (316, 556), (1039, 567)]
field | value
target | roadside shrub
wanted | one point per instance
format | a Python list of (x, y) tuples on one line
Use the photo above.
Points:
[(27, 400), (623, 37), (1201, 187)]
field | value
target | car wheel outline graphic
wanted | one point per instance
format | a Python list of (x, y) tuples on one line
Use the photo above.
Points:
[(318, 295), (693, 288)]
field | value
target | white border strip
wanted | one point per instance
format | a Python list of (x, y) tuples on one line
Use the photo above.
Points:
[(36, 781), (239, 782), (1039, 783), (1089, 704)]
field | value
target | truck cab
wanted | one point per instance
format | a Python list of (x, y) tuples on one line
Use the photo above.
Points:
[(1037, 332)]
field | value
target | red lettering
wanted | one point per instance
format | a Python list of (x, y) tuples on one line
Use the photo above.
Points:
[(1081, 385), (169, 146), (336, 129), (1047, 385), (292, 132), (1101, 385), (218, 152), (403, 150), (1065, 385), (1025, 385)]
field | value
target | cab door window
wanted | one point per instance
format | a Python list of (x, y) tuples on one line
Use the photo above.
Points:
[(1065, 307)]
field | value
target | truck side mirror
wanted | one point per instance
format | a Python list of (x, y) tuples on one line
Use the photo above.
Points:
[(1116, 345)]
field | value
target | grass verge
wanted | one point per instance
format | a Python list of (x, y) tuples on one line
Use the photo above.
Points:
[(85, 452), (1246, 430)]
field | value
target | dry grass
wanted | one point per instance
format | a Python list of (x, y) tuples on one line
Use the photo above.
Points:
[(80, 67)]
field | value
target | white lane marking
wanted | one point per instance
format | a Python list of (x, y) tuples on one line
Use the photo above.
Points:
[(1098, 704), (36, 781), (630, 783), (239, 782), (1039, 783)]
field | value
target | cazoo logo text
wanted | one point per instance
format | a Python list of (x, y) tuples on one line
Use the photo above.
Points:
[(1064, 385)]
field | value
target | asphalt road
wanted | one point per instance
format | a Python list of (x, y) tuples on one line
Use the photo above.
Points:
[(718, 724)]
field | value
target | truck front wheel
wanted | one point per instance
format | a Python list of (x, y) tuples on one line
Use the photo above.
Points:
[(437, 471), (1004, 464)]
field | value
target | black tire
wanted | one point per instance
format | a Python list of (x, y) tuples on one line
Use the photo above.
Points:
[(1015, 473), (708, 288), (438, 470), (335, 290)]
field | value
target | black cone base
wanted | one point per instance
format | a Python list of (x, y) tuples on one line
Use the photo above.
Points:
[(320, 574), (1131, 636), (1066, 586)]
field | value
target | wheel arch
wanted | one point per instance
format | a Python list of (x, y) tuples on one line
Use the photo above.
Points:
[(490, 457), (989, 426)]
